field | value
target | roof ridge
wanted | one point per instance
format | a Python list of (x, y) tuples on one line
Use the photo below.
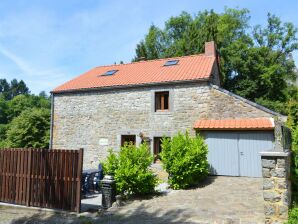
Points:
[(152, 60)]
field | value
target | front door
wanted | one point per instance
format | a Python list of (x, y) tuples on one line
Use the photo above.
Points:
[(156, 148)]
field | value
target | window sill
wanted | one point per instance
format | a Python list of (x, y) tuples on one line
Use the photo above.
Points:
[(162, 112)]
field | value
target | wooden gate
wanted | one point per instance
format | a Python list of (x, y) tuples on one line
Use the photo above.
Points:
[(41, 178)]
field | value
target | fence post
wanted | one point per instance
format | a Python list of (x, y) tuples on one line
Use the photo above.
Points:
[(80, 167), (29, 177)]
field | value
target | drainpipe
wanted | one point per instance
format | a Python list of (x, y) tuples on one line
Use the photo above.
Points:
[(52, 121)]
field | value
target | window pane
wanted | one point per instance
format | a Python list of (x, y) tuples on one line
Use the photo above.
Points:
[(161, 101), (166, 103), (157, 102), (172, 62), (128, 139), (110, 72)]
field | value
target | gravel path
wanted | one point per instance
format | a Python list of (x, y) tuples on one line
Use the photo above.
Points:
[(220, 200)]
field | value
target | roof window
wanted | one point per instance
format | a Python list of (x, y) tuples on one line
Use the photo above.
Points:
[(171, 62), (110, 72)]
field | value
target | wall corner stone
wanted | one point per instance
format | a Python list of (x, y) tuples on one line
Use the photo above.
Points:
[(278, 135)]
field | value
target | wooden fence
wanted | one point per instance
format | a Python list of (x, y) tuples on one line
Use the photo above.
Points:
[(41, 178)]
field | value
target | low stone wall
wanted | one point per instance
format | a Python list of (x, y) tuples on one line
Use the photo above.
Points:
[(276, 186)]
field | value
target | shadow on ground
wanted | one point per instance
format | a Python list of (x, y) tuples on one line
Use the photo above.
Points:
[(138, 215), (207, 181)]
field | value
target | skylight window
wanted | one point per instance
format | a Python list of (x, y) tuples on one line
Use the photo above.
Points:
[(110, 72), (171, 62)]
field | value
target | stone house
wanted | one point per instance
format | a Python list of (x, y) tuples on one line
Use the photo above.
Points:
[(146, 100)]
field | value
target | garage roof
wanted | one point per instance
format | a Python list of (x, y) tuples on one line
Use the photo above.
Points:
[(236, 124)]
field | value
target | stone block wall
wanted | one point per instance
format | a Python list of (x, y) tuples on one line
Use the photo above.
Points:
[(95, 120), (81, 120), (223, 105), (276, 186)]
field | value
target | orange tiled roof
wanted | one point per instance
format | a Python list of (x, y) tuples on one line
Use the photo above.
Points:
[(251, 123), (193, 67)]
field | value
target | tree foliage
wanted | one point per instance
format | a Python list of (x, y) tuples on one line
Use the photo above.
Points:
[(12, 89), (24, 117), (255, 62), (30, 129)]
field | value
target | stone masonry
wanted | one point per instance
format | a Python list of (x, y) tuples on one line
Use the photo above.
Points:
[(95, 120), (276, 186)]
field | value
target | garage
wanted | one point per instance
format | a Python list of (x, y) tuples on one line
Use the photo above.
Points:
[(237, 153), (234, 145)]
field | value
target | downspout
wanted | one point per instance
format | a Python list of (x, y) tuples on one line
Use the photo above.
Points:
[(52, 121)]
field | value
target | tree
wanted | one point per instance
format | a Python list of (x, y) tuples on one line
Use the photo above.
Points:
[(17, 88), (3, 110), (255, 63), (153, 47), (23, 102), (30, 129), (4, 88), (24, 117), (13, 89), (292, 109), (43, 94), (267, 66)]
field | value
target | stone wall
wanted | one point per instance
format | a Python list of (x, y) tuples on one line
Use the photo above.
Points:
[(96, 120), (223, 105), (276, 186), (81, 120)]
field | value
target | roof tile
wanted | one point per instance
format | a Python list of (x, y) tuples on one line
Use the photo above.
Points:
[(193, 67), (249, 123)]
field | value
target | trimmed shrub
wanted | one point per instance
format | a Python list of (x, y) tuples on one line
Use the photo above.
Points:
[(130, 168), (185, 159)]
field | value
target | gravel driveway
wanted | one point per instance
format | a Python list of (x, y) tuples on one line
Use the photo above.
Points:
[(218, 200)]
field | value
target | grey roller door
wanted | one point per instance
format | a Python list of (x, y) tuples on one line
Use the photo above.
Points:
[(237, 153)]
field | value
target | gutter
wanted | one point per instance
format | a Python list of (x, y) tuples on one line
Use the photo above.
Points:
[(52, 121)]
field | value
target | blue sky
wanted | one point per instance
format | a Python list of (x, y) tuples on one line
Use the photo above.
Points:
[(46, 43)]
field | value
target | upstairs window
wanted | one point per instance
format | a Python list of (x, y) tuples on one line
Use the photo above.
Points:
[(162, 101), (171, 62)]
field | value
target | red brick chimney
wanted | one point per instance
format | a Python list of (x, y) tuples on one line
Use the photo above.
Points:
[(210, 49)]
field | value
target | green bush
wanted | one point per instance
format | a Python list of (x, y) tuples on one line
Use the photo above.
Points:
[(111, 163), (295, 164), (293, 216), (130, 168), (185, 159)]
